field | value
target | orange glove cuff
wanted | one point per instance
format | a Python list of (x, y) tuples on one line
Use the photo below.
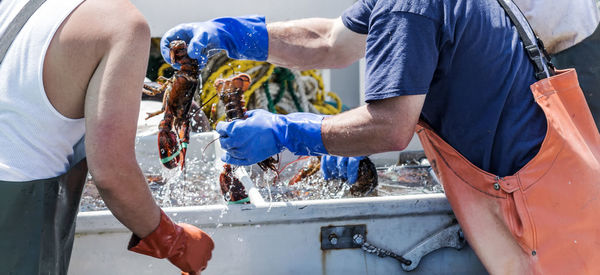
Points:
[(186, 246), (165, 241)]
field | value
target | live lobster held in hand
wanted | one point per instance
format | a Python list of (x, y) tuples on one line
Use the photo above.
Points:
[(231, 93), (179, 90)]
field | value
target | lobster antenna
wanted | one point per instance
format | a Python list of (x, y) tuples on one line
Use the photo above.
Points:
[(207, 101)]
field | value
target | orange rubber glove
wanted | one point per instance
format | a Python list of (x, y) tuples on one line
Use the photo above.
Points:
[(186, 246)]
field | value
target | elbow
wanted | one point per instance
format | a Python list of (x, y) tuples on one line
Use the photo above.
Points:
[(401, 144), (396, 140), (104, 179), (398, 144), (325, 57), (113, 176), (337, 58)]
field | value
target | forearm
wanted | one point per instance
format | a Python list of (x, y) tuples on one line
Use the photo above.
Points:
[(111, 111), (313, 43), (128, 197), (386, 125)]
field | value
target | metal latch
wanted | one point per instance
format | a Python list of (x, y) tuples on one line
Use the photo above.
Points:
[(354, 236), (451, 236)]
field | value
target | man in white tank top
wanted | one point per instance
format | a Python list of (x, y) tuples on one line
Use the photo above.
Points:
[(569, 30), (77, 67)]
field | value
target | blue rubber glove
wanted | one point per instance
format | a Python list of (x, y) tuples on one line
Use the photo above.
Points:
[(263, 134), (346, 168), (242, 37)]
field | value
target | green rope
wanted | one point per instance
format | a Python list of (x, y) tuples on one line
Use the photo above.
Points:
[(294, 97), (270, 104), (286, 79), (280, 94)]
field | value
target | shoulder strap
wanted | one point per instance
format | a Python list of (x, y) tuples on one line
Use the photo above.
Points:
[(16, 24), (533, 45)]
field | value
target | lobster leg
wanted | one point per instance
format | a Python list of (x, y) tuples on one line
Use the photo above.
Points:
[(150, 90), (162, 79), (162, 110), (153, 114)]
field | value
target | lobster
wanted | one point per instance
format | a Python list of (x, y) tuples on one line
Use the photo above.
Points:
[(366, 182), (179, 90), (231, 93)]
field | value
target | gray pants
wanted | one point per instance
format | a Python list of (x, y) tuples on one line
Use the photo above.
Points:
[(585, 58), (37, 223)]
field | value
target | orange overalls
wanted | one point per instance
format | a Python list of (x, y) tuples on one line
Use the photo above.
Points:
[(545, 219)]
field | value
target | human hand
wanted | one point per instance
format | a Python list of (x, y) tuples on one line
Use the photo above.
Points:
[(243, 37), (186, 246), (334, 167), (263, 134)]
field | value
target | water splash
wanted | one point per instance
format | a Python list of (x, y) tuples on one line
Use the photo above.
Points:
[(198, 184), (393, 181)]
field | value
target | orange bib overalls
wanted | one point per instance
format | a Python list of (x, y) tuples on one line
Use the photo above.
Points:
[(544, 219)]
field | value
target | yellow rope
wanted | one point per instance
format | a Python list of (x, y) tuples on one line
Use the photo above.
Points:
[(319, 103), (257, 84)]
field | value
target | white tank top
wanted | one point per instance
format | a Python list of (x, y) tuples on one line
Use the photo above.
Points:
[(36, 141), (561, 23)]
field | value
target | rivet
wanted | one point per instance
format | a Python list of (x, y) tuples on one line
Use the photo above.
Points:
[(533, 253), (496, 186), (333, 239)]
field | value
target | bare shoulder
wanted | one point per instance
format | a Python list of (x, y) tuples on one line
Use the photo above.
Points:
[(85, 38), (95, 26), (109, 19)]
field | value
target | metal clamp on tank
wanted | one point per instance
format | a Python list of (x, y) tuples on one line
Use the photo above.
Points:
[(451, 236), (354, 236)]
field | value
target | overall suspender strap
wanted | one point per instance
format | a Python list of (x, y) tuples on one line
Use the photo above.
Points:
[(16, 24), (533, 45)]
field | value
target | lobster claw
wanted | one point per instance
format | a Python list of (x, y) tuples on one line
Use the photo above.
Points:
[(168, 148)]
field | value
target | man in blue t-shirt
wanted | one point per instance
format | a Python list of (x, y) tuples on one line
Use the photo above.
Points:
[(459, 66)]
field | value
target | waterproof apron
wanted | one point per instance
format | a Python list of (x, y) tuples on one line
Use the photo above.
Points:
[(37, 220), (544, 219)]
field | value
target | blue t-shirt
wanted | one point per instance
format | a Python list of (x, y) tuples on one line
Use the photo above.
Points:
[(468, 58)]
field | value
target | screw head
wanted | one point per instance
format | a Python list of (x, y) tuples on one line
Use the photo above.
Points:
[(333, 239)]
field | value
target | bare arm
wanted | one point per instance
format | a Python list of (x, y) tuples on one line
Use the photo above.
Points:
[(380, 126), (112, 104), (314, 43)]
